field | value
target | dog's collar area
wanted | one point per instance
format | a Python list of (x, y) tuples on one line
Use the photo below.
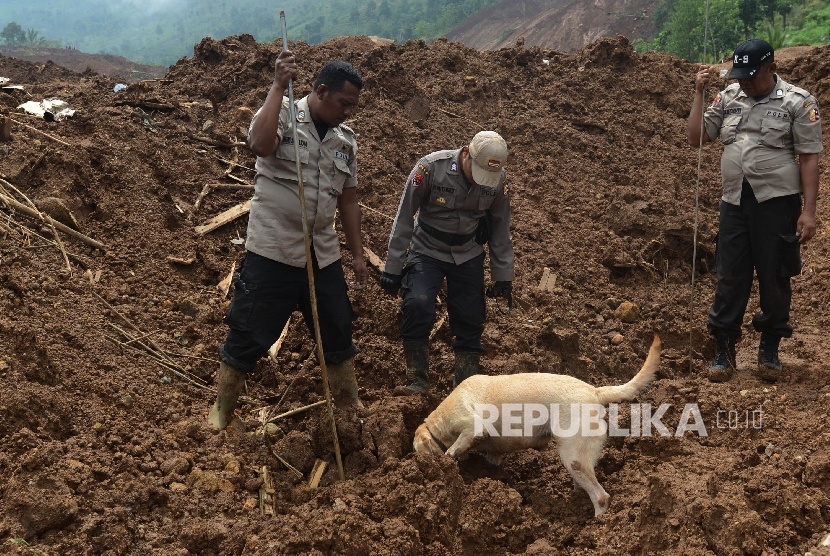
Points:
[(435, 438)]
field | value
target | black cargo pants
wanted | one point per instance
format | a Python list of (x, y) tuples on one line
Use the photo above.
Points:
[(266, 292), (760, 237), (466, 306)]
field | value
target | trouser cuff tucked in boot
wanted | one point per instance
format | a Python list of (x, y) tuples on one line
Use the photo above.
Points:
[(466, 365), (343, 384), (229, 385), (416, 353)]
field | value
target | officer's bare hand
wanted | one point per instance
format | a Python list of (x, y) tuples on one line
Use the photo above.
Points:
[(361, 273), (285, 68), (805, 229), (702, 79)]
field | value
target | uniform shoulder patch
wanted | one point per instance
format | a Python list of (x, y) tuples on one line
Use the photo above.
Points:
[(423, 169), (417, 179), (814, 115)]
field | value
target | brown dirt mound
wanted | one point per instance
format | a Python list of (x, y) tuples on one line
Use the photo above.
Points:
[(103, 450), (117, 67)]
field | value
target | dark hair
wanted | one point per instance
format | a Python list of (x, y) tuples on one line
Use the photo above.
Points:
[(335, 74)]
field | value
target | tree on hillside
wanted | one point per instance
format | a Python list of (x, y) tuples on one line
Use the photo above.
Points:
[(13, 34), (749, 11)]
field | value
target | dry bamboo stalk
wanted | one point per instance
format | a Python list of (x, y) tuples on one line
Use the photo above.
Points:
[(128, 321), (376, 211), (274, 349), (202, 195), (295, 411), (82, 263), (41, 132), (162, 363), (317, 473), (240, 180), (43, 218), (234, 163), (235, 186), (48, 219)]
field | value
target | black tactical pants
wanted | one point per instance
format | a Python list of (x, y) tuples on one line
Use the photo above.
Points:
[(760, 237), (423, 278), (266, 292)]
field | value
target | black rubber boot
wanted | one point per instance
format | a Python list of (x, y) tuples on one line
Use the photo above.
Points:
[(416, 353), (229, 385), (466, 365), (724, 362), (769, 366), (343, 384)]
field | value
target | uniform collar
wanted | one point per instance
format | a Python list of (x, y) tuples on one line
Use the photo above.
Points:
[(459, 171), (778, 92), (303, 112), (304, 116)]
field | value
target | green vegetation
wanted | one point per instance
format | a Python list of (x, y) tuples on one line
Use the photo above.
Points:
[(14, 35), (162, 31), (779, 22), (506, 33)]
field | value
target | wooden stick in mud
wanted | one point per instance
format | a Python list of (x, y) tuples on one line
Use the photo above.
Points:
[(295, 411), (221, 219), (48, 219), (41, 132), (42, 218)]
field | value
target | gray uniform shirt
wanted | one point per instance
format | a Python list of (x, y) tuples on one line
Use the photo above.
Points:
[(443, 198), (275, 227), (761, 139)]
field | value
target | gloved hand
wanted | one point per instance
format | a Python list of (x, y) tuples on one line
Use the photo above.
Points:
[(502, 289), (390, 283)]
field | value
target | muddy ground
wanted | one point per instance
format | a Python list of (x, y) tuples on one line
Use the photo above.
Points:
[(107, 355)]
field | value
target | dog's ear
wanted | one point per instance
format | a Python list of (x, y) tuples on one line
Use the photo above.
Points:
[(425, 443)]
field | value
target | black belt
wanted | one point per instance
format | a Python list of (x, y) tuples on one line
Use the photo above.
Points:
[(446, 237)]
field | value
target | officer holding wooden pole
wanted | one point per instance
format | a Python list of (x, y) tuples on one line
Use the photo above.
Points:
[(273, 281)]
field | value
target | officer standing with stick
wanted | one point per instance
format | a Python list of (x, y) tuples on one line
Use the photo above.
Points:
[(768, 208), (462, 200), (273, 280)]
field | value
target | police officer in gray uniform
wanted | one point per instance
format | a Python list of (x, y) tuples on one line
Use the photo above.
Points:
[(273, 280), (764, 123), (462, 200)]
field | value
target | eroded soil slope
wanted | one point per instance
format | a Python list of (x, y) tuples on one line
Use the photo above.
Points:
[(105, 450)]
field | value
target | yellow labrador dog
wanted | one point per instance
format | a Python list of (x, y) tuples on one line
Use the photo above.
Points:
[(481, 413)]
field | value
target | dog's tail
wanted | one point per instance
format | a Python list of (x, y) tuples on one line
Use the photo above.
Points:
[(627, 391)]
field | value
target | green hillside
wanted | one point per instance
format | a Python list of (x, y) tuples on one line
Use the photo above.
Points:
[(780, 22), (162, 31)]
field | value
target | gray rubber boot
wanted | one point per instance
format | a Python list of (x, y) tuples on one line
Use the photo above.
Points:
[(416, 353), (229, 385), (466, 365), (343, 384)]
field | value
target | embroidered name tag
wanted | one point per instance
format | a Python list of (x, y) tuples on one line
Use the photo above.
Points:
[(777, 115), (290, 141), (732, 111), (338, 154)]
